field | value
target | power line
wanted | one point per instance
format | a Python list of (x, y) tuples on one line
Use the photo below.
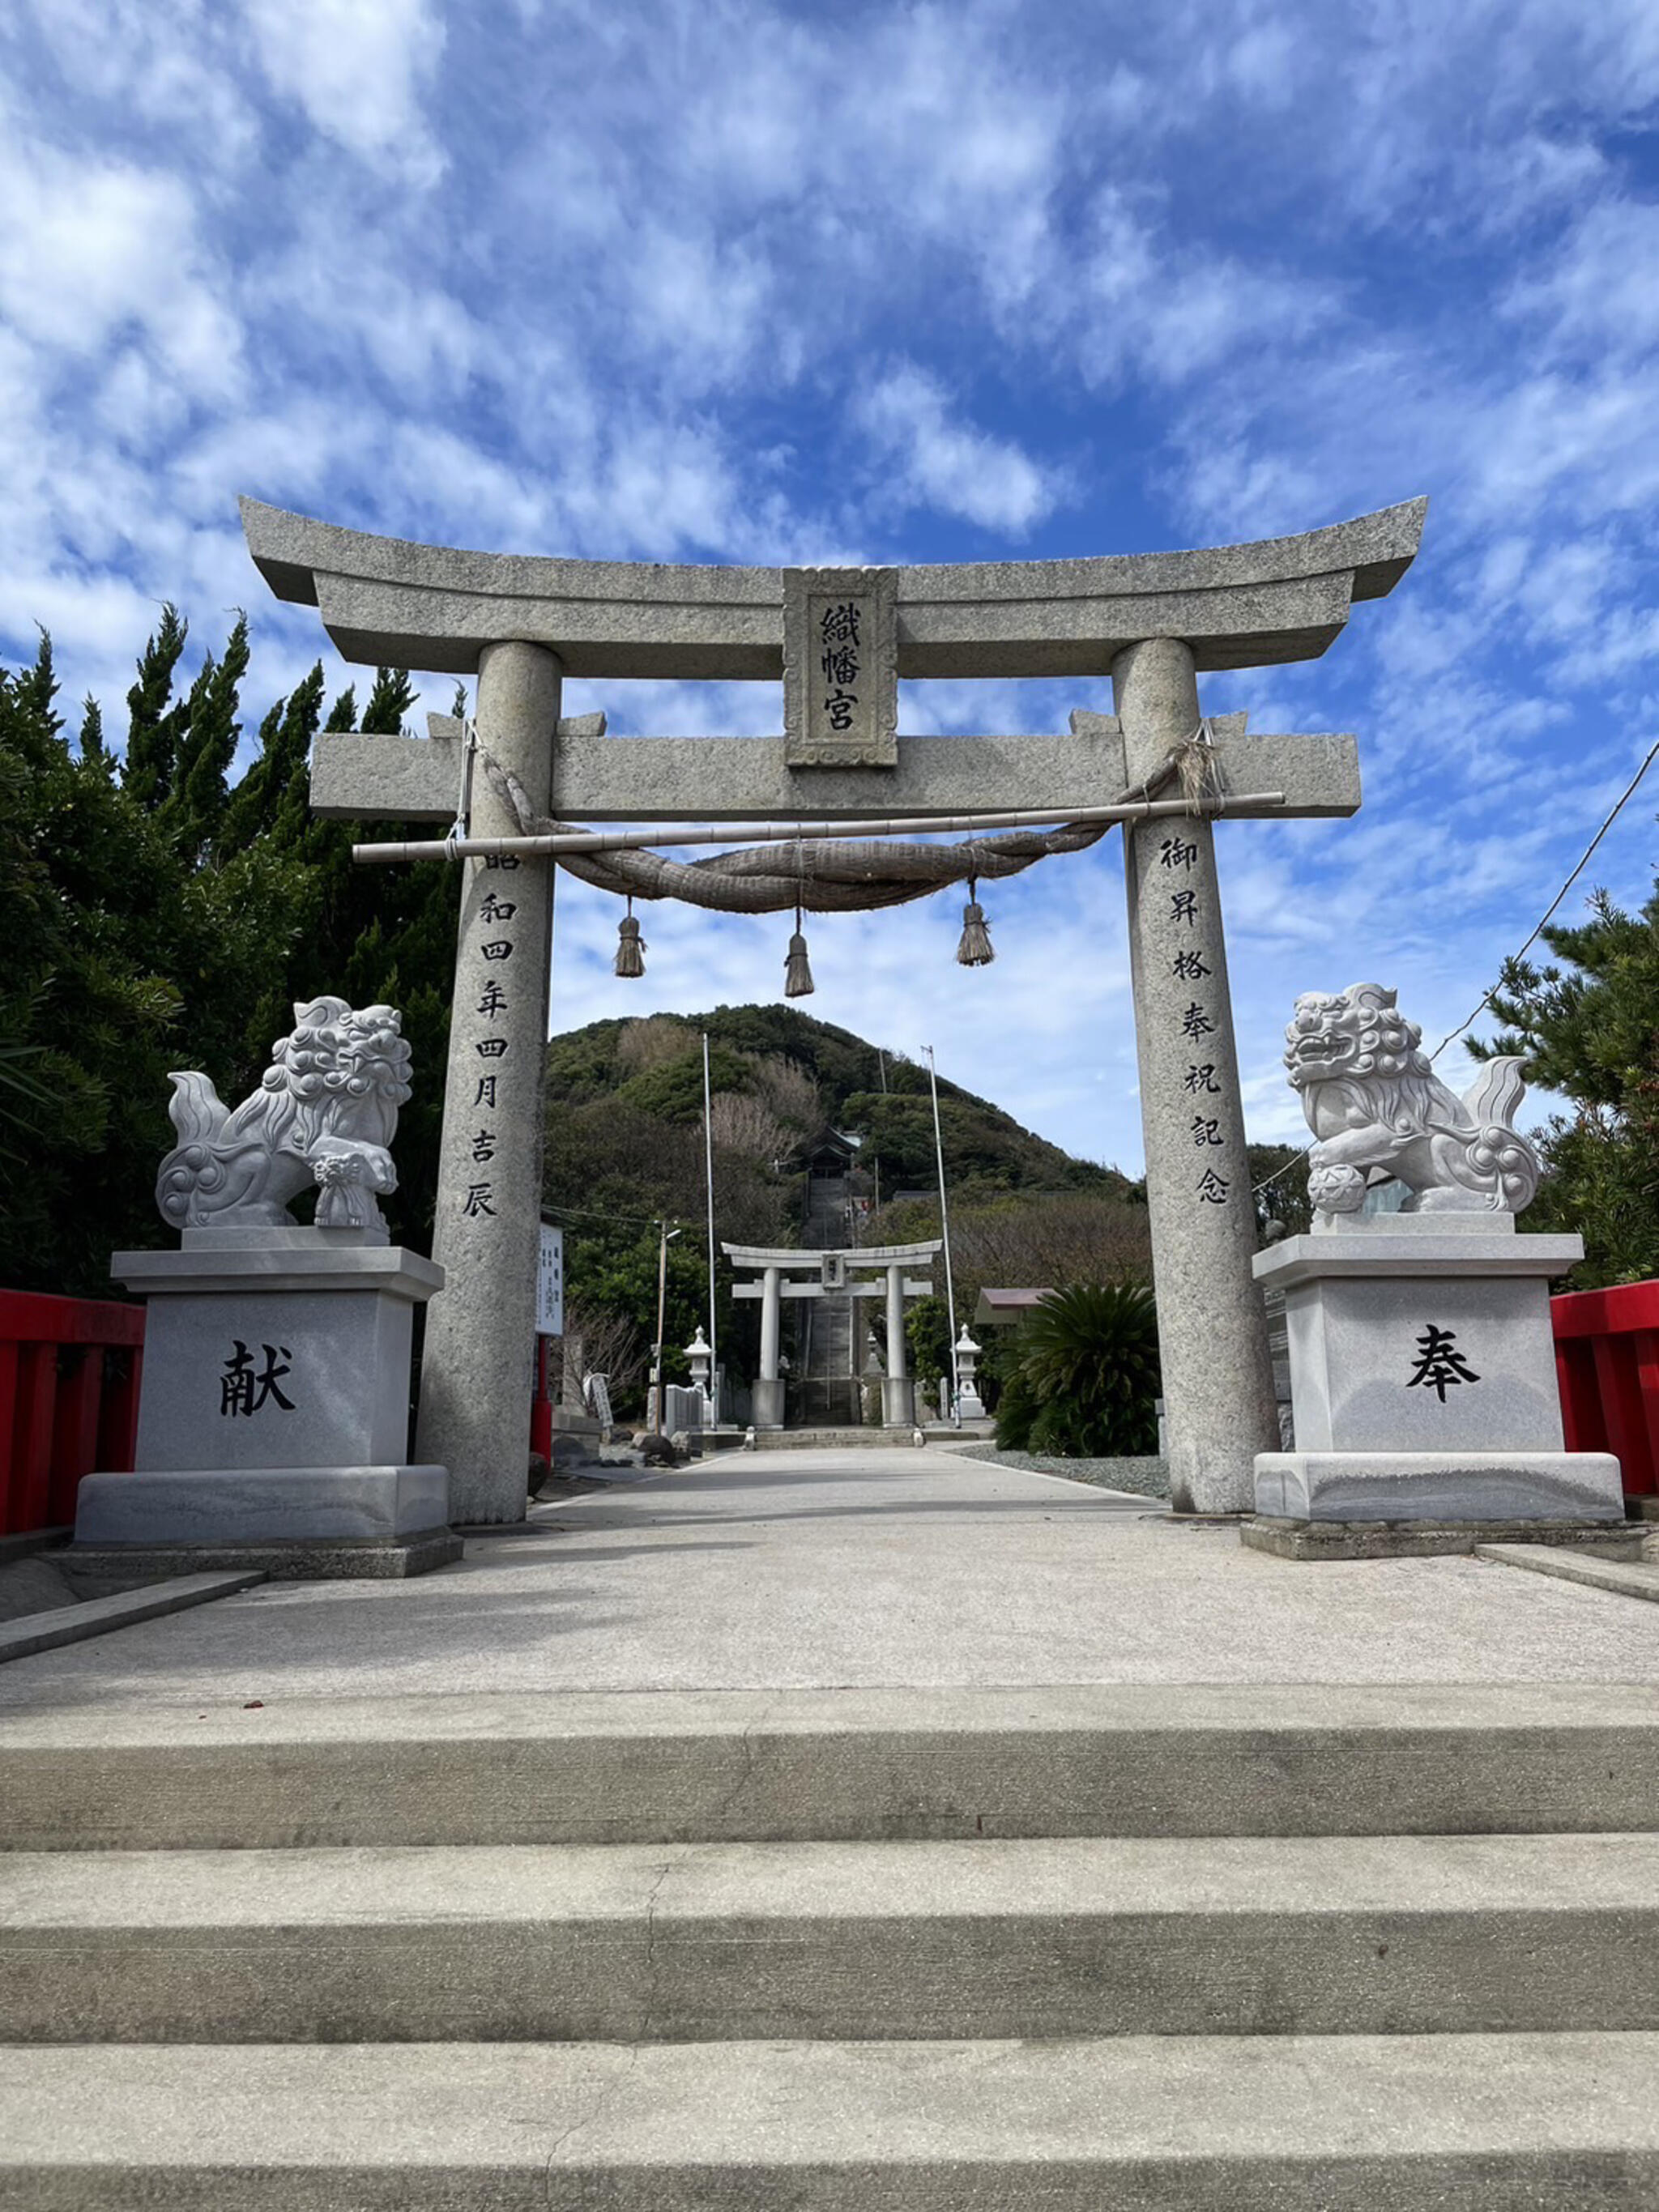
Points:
[(1543, 922), (1619, 807), (605, 1213)]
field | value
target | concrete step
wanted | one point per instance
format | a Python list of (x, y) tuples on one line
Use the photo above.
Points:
[(1352, 2123), (834, 1765), (699, 1944)]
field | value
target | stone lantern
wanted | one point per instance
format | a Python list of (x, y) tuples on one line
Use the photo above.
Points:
[(968, 1398), (700, 1359)]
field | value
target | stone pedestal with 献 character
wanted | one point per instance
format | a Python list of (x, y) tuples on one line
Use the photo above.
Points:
[(1421, 1359), (273, 1423)]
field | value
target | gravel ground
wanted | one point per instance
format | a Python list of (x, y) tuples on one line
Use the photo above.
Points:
[(1147, 1478)]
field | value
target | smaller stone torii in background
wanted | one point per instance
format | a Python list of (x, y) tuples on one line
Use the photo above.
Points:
[(835, 1275), (1150, 622)]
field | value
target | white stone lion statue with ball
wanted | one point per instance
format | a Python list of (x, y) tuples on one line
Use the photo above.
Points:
[(324, 1114), (1379, 1111)]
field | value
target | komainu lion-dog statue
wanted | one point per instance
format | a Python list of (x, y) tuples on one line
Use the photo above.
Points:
[(1379, 1111), (325, 1113)]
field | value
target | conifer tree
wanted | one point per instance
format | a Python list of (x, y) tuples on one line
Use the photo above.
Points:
[(206, 747), (91, 731), (285, 738), (162, 917), (36, 690), (1589, 1029), (98, 925), (152, 718)]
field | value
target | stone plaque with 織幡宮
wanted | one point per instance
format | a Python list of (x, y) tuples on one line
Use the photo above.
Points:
[(840, 667)]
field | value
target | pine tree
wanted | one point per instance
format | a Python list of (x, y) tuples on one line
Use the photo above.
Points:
[(144, 913), (206, 747), (152, 720), (36, 690), (1590, 1030), (96, 925), (91, 731), (285, 740)]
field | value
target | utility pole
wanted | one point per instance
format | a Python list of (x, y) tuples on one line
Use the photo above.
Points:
[(708, 1162), (881, 1062), (666, 1239), (945, 1230)]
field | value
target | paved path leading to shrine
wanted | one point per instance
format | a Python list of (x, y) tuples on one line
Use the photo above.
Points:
[(800, 1568)]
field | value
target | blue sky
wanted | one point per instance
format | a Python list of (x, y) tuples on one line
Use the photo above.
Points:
[(748, 283)]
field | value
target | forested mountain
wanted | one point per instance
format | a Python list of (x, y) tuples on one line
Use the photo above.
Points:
[(802, 1074)]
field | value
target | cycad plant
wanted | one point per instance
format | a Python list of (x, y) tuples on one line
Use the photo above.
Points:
[(1087, 1380)]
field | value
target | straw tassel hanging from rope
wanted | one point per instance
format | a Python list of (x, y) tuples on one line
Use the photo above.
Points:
[(797, 969), (631, 951), (975, 950)]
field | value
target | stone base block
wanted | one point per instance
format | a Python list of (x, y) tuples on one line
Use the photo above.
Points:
[(766, 1404), (898, 1402), (248, 1505), (1409, 1539), (1461, 1485), (100, 1568), (293, 1354)]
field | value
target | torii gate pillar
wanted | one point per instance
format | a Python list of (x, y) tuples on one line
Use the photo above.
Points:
[(476, 1383), (1218, 1378)]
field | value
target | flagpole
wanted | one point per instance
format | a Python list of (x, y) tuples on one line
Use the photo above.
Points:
[(709, 1165), (945, 1225)]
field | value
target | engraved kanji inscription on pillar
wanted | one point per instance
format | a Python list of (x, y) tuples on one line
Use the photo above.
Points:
[(1218, 1381), (840, 667)]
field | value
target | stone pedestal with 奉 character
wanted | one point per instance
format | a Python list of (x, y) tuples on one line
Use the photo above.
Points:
[(1422, 1363), (274, 1420)]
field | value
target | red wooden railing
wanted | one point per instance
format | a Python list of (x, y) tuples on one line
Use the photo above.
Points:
[(69, 1370), (541, 1405), (1607, 1363)]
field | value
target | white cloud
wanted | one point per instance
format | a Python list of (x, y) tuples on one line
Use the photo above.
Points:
[(1598, 293), (358, 69), (928, 455), (158, 64), (90, 252)]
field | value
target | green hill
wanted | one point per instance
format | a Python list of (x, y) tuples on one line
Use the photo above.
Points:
[(794, 1074)]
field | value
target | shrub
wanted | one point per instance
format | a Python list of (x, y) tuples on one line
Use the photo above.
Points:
[(1086, 1384), (1016, 1412)]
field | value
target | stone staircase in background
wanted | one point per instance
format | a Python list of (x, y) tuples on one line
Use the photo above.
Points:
[(1314, 1950), (826, 1392)]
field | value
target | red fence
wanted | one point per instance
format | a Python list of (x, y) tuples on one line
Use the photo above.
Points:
[(68, 1400), (1607, 1363)]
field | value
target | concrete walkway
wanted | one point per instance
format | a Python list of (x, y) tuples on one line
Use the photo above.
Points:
[(865, 1568)]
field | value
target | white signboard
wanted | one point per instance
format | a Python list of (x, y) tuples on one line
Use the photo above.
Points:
[(550, 1284)]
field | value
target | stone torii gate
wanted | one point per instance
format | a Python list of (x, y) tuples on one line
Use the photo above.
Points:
[(1152, 622), (833, 1274)]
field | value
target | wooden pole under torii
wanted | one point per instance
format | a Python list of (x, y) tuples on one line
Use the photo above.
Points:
[(530, 620)]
